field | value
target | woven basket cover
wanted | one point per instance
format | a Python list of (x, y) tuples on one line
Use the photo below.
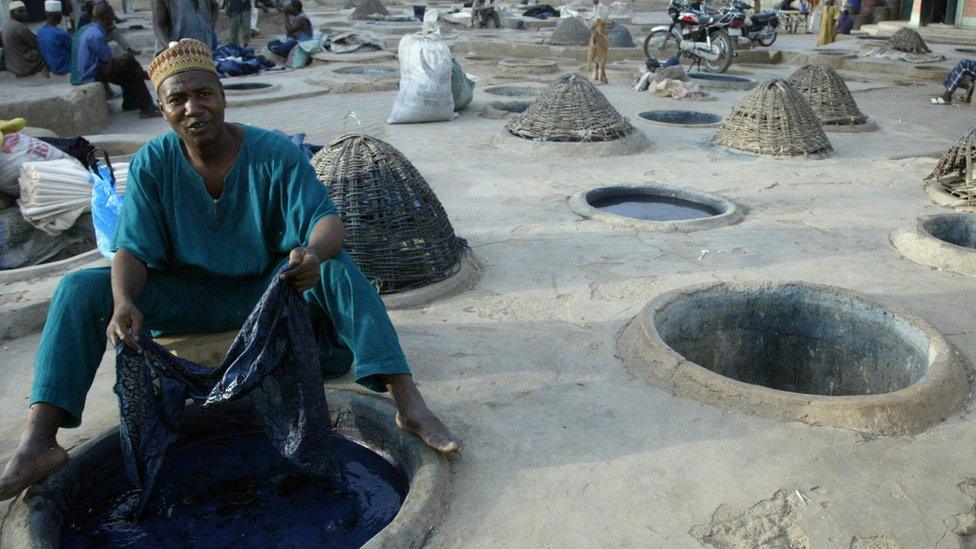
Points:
[(619, 37), (773, 119), (365, 8), (908, 40), (827, 94), (954, 171), (571, 31), (396, 229), (570, 109)]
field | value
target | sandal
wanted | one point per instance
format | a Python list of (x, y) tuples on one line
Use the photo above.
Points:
[(938, 101)]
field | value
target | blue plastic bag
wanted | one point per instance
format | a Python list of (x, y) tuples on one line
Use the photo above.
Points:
[(106, 204)]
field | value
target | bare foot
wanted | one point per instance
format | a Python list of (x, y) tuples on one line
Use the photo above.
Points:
[(430, 429), (29, 465)]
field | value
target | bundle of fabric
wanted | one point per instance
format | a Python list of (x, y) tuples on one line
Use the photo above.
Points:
[(909, 41), (677, 89), (54, 194), (571, 31), (773, 119), (347, 42), (462, 87), (619, 37), (571, 109), (954, 171), (369, 9), (233, 60), (828, 95), (541, 11), (23, 245), (396, 228)]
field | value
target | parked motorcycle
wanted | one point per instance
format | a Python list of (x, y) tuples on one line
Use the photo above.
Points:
[(760, 28), (696, 34)]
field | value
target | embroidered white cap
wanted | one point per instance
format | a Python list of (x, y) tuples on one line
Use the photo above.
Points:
[(52, 6), (16, 5)]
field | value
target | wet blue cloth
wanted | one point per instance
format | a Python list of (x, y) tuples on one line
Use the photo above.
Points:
[(234, 60), (93, 51), (299, 140), (273, 361), (282, 47), (55, 46)]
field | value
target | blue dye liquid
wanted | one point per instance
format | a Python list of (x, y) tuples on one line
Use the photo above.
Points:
[(236, 490), (652, 207)]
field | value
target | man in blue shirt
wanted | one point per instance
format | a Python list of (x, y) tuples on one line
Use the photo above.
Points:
[(95, 62), (54, 42)]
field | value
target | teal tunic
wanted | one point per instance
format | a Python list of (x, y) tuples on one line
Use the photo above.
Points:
[(209, 262)]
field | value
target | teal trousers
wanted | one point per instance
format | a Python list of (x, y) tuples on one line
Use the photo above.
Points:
[(348, 316)]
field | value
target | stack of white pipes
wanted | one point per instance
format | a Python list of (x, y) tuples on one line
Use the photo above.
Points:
[(54, 194)]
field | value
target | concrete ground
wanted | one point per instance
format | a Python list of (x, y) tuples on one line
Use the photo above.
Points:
[(562, 447)]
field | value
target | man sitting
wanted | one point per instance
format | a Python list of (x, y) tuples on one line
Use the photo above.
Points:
[(20, 48), (481, 12), (210, 209), (95, 62), (846, 23), (114, 35), (962, 75), (298, 28), (54, 42)]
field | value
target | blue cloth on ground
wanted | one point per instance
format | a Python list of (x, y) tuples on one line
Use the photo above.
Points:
[(273, 360), (234, 60), (282, 47)]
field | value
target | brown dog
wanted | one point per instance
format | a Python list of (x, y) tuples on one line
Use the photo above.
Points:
[(598, 53)]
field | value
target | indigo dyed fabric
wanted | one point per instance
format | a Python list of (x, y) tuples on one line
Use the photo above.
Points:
[(273, 360)]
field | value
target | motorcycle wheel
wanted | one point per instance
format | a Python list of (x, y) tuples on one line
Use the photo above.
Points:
[(724, 43), (768, 41), (661, 45)]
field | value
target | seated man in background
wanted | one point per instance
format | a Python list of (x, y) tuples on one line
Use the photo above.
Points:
[(21, 51), (298, 28), (963, 75), (845, 23), (54, 41), (114, 35), (95, 62), (210, 210)]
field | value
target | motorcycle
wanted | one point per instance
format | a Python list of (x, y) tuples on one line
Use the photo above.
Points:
[(760, 28), (696, 34)]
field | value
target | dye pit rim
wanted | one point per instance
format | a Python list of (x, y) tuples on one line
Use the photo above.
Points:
[(510, 106), (513, 91), (34, 518), (685, 119), (943, 198), (940, 390), (939, 241), (722, 81), (369, 71), (250, 88), (527, 66), (728, 213)]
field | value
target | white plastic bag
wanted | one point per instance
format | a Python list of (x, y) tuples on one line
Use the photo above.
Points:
[(425, 77), (19, 148)]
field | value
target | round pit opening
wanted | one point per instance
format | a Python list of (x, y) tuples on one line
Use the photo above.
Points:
[(688, 119), (799, 352), (250, 88), (510, 106), (722, 81), (946, 242), (368, 71), (512, 91), (656, 207), (224, 466), (966, 50), (527, 66)]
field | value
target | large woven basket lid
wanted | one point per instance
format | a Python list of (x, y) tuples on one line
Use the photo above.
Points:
[(908, 40), (773, 119), (571, 109), (954, 171), (366, 8), (571, 31), (396, 229), (619, 37), (827, 94)]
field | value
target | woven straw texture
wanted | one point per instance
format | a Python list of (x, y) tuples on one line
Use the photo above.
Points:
[(571, 31), (954, 171), (619, 37), (908, 40), (571, 109), (828, 95), (396, 229), (773, 119), (367, 8)]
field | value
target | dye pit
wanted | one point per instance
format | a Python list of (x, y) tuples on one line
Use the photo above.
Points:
[(368, 71), (236, 488), (682, 118), (649, 207), (954, 229), (512, 91), (511, 106), (718, 77), (247, 86)]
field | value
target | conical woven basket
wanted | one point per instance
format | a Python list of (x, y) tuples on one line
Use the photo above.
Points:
[(827, 94), (908, 40), (366, 8), (571, 109), (396, 229), (773, 119), (571, 31), (954, 171), (619, 37)]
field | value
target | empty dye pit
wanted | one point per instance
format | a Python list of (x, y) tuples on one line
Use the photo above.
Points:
[(656, 207), (247, 86), (682, 118), (946, 242), (221, 490), (511, 106), (722, 81), (796, 351), (512, 91)]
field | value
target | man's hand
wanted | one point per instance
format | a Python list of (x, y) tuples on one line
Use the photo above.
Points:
[(125, 326), (304, 272)]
